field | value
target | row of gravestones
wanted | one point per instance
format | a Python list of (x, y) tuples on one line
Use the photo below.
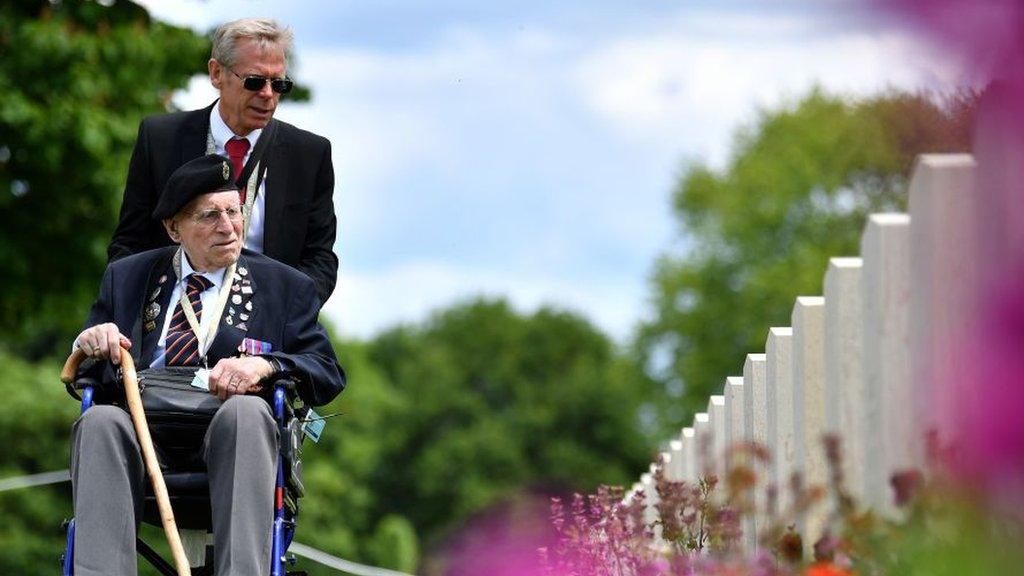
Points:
[(858, 362)]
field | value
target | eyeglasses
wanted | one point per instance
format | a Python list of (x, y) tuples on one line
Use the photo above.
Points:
[(212, 217), (255, 83)]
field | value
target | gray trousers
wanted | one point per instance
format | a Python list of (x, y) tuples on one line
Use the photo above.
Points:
[(107, 476)]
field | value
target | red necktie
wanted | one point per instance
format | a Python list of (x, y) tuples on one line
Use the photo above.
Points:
[(236, 149)]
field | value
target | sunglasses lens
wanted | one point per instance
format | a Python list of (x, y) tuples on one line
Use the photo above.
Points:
[(281, 86), (254, 83)]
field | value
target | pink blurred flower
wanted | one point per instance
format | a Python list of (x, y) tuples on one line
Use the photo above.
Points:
[(987, 32), (509, 540), (984, 400)]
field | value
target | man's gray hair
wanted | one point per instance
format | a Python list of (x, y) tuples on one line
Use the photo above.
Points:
[(265, 33)]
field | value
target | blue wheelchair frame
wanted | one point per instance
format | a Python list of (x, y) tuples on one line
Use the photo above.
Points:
[(284, 520)]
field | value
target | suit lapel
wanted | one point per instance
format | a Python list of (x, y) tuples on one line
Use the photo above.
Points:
[(276, 192), (194, 132), (156, 301), (238, 314)]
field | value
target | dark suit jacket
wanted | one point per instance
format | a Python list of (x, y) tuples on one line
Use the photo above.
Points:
[(278, 303), (299, 226)]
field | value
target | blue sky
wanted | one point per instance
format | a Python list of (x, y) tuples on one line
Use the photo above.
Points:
[(529, 149)]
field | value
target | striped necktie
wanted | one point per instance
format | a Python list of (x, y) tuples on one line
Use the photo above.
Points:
[(182, 345)]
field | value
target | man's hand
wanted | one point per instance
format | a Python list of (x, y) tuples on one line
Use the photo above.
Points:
[(238, 375), (103, 341)]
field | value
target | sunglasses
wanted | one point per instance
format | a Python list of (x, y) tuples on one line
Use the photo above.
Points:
[(256, 83)]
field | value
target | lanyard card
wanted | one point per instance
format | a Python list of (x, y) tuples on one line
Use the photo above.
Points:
[(202, 379), (313, 426)]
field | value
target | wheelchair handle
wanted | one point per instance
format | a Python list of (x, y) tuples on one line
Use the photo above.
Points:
[(134, 399)]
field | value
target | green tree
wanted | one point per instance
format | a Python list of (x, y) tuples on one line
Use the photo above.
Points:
[(489, 402), (340, 513), (77, 78), (758, 233), (35, 422)]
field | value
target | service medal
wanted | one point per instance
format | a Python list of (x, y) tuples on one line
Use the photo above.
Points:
[(152, 311)]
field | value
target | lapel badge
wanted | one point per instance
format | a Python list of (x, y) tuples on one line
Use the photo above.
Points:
[(246, 289), (236, 299), (243, 317), (242, 326), (243, 270), (226, 170), (162, 279), (229, 320), (234, 287), (150, 326), (152, 311), (248, 306), (154, 294)]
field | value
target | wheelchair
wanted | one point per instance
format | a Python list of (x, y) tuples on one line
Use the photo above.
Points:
[(189, 491)]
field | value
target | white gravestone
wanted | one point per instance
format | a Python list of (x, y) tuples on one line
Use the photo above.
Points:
[(808, 322), (734, 431), (779, 378), (716, 414), (650, 503), (755, 428), (688, 438), (755, 400), (942, 249), (702, 445), (674, 467), (735, 435), (845, 397), (892, 443)]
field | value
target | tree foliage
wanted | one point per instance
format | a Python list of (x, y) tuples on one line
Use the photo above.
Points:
[(77, 78), (488, 402), (759, 232)]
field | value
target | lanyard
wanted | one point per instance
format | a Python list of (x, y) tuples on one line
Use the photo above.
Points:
[(217, 310), (250, 198), (251, 187)]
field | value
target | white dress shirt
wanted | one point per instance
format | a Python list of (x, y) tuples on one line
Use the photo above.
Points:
[(208, 299), (221, 134)]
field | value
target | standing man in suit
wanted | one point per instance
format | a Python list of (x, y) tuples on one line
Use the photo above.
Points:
[(211, 303), (288, 198)]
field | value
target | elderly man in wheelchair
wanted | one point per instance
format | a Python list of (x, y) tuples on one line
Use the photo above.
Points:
[(221, 336)]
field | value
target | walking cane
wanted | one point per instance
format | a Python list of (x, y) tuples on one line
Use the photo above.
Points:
[(163, 501)]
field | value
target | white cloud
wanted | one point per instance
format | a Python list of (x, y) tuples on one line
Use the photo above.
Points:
[(365, 302), (654, 88)]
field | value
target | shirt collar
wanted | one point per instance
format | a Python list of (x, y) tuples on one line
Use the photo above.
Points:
[(214, 276), (221, 133)]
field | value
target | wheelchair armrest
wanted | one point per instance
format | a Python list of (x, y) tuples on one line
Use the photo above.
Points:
[(84, 373), (84, 381), (287, 383)]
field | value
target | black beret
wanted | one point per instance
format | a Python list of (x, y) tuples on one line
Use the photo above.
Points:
[(210, 173)]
